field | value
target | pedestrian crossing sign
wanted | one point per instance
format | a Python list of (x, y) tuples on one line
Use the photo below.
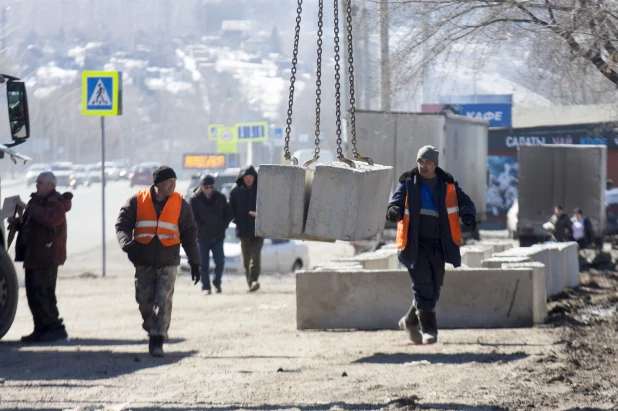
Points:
[(102, 93)]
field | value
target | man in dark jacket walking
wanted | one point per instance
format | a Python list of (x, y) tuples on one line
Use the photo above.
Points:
[(562, 225), (150, 228), (212, 215), (42, 245), (427, 206), (243, 199)]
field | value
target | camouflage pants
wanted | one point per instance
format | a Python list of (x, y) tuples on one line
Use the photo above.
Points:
[(154, 290)]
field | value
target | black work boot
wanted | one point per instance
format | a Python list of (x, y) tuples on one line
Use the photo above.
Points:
[(56, 334), (155, 346), (410, 323), (429, 326), (35, 336)]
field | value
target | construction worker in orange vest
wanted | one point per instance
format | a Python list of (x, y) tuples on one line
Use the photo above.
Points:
[(150, 228), (427, 206)]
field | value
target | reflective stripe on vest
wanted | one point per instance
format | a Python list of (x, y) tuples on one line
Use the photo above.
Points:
[(452, 208), (165, 227)]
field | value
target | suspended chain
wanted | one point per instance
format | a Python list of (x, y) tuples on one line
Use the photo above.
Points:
[(288, 129), (318, 82), (357, 156), (351, 77), (337, 82)]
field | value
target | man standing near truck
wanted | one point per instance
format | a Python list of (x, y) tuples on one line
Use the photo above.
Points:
[(427, 206)]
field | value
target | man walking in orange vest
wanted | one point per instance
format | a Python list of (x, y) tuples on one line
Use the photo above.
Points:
[(427, 206), (150, 228)]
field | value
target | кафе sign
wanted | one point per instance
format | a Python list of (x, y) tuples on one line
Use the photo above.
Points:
[(505, 140)]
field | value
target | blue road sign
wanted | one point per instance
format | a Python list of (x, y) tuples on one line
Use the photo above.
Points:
[(278, 133), (101, 95)]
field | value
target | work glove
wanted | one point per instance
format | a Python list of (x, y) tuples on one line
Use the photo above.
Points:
[(469, 221), (195, 273), (393, 214)]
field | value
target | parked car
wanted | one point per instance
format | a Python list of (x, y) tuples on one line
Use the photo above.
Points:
[(224, 181), (141, 174), (281, 256), (65, 177), (93, 172), (34, 171), (112, 173), (80, 171), (124, 168), (511, 219)]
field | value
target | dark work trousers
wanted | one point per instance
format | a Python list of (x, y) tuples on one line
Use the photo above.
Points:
[(252, 257), (427, 275), (41, 294), (218, 256)]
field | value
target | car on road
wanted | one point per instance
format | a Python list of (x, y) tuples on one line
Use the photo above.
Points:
[(80, 171), (93, 172), (34, 171), (65, 176), (278, 255), (141, 174), (224, 181), (124, 168)]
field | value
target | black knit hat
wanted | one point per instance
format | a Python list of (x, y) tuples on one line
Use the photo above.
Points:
[(163, 173), (207, 180)]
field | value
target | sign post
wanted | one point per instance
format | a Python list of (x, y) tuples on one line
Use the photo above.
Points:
[(102, 96)]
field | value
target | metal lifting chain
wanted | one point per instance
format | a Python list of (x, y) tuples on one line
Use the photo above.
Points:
[(288, 129), (338, 90), (318, 86), (357, 156)]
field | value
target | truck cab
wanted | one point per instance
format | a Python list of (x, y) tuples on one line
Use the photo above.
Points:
[(14, 130)]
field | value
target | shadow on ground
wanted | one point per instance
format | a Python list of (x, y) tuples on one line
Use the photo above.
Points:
[(460, 358), (49, 364)]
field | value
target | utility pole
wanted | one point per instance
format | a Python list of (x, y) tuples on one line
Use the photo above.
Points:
[(385, 74)]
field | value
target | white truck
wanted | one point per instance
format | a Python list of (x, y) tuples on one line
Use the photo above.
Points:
[(14, 130), (394, 138), (566, 175)]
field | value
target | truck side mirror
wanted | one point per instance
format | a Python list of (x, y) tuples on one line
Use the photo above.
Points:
[(18, 110)]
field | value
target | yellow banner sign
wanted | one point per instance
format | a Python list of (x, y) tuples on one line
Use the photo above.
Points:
[(204, 161)]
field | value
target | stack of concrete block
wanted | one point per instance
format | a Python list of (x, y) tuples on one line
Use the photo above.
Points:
[(572, 263), (473, 255), (539, 292), (558, 266), (282, 200), (539, 254), (379, 260), (348, 203), (496, 262), (377, 299), (498, 246)]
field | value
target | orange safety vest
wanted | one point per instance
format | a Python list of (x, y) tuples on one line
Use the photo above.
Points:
[(147, 225), (452, 208)]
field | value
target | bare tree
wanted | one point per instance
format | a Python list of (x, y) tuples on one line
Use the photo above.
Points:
[(550, 35)]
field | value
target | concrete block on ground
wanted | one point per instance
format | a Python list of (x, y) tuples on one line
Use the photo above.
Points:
[(572, 263), (496, 262), (346, 203), (497, 245), (282, 200), (536, 253), (558, 267), (539, 296), (377, 299), (473, 255)]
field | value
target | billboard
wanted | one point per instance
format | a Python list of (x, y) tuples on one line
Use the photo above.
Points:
[(204, 161)]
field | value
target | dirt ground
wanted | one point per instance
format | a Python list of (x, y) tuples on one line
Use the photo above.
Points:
[(241, 351)]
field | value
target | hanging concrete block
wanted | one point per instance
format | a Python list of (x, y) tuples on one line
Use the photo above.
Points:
[(348, 203), (282, 200)]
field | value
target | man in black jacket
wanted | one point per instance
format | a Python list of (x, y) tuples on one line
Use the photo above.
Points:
[(427, 206), (150, 228), (243, 199), (562, 225), (212, 215)]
